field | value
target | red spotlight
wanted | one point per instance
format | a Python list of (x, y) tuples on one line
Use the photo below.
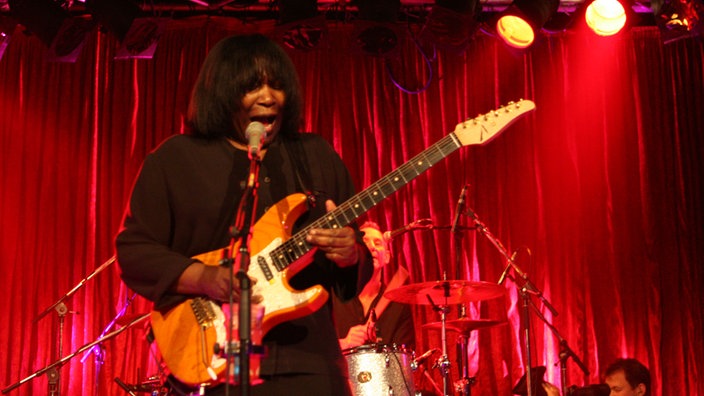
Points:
[(606, 17)]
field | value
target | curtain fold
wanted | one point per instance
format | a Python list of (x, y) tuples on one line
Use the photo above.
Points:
[(599, 191)]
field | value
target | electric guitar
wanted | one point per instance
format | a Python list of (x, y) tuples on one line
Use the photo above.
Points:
[(187, 333)]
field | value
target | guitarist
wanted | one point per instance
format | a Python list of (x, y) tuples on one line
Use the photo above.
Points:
[(186, 194)]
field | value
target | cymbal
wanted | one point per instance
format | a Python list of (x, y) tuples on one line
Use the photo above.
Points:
[(463, 325), (445, 292)]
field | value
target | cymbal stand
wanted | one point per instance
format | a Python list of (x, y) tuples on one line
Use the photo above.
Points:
[(526, 289), (99, 349), (443, 363), (57, 364), (463, 386), (53, 372)]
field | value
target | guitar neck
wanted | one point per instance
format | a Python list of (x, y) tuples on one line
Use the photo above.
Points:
[(295, 247)]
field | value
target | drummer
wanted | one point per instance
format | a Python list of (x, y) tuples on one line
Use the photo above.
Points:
[(370, 317)]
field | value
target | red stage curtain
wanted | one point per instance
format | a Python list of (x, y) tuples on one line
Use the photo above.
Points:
[(599, 190)]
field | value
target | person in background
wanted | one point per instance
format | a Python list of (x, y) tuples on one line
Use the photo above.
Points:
[(371, 318), (624, 377), (628, 377), (185, 199)]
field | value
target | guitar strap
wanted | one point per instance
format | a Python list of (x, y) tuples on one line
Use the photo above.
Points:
[(293, 150)]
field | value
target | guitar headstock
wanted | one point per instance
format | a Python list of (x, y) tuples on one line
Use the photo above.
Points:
[(485, 127)]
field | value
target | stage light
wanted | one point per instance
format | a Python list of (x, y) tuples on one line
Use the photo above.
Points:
[(43, 18), (142, 38), (54, 26), (678, 19), (605, 17), (519, 23), (7, 27), (138, 36), (68, 43), (300, 26), (452, 23), (375, 32), (116, 16)]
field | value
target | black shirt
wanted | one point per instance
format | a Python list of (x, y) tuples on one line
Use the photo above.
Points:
[(183, 203)]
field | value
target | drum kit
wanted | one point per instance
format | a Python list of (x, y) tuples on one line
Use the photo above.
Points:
[(377, 369)]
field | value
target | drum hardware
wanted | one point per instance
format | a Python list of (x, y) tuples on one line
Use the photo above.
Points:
[(422, 358), (153, 385), (57, 364), (446, 292), (53, 371), (464, 326), (98, 350), (527, 289)]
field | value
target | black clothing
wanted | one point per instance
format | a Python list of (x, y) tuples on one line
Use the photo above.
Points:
[(394, 325), (184, 202)]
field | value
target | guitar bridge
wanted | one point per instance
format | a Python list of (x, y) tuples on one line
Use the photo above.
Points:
[(203, 311)]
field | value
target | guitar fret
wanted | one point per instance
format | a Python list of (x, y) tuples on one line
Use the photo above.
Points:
[(358, 208), (331, 221), (301, 247), (278, 260)]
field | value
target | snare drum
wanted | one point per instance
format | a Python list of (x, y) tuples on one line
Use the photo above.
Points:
[(377, 370)]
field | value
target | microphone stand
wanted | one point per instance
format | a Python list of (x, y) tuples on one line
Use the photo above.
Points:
[(565, 351), (54, 373), (457, 234), (99, 349), (59, 363), (242, 230), (526, 290)]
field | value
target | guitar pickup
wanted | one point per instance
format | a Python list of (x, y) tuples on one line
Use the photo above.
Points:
[(265, 268)]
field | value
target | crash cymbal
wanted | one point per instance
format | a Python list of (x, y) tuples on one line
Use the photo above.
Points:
[(445, 292), (464, 325)]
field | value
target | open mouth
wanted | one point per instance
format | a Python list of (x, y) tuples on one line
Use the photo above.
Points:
[(266, 120)]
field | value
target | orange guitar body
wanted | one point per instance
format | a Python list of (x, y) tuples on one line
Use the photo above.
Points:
[(187, 337)]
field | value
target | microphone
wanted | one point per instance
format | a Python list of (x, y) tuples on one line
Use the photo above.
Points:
[(460, 206), (255, 134), (416, 225), (508, 268), (422, 358)]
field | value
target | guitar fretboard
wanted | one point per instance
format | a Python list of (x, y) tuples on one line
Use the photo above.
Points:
[(350, 210)]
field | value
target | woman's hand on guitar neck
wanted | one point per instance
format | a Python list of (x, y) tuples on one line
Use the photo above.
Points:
[(339, 244), (212, 281)]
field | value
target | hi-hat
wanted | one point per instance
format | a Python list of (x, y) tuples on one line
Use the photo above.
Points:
[(463, 325), (445, 292)]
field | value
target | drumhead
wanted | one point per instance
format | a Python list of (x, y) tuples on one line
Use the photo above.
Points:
[(377, 348)]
